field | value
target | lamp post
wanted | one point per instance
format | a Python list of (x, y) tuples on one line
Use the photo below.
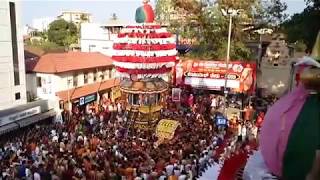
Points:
[(230, 13)]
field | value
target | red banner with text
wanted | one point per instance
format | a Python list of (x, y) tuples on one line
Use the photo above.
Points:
[(241, 76)]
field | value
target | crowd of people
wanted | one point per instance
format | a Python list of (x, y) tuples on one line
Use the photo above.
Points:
[(100, 145)]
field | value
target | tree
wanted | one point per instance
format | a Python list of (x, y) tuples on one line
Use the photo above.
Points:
[(304, 26), (62, 33), (203, 22), (313, 3), (274, 12), (164, 10), (46, 46)]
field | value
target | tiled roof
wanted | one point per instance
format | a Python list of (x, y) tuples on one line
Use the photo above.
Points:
[(75, 93), (68, 61)]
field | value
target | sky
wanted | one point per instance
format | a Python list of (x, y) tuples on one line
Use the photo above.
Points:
[(101, 10)]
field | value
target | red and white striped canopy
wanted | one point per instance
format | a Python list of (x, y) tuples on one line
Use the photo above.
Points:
[(144, 51)]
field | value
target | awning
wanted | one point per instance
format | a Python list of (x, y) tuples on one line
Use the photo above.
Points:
[(36, 118), (9, 127), (25, 122), (76, 93)]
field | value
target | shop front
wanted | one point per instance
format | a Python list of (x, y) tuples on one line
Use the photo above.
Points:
[(86, 97), (212, 75), (25, 115)]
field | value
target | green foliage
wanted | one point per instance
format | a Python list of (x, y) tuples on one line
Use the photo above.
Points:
[(313, 3), (62, 33), (303, 27), (164, 11), (203, 22), (274, 12), (46, 46)]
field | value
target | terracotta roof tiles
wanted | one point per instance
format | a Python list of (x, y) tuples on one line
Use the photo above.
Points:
[(78, 92), (69, 61)]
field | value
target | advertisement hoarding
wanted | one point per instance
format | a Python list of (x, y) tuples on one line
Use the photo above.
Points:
[(241, 76)]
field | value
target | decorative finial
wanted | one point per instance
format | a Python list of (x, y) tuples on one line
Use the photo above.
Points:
[(145, 1), (145, 13)]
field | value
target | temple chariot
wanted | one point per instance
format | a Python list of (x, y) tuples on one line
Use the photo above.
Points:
[(144, 55)]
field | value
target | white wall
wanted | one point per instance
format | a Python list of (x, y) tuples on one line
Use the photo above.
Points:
[(31, 86), (53, 83), (75, 17), (48, 86), (96, 38), (7, 87)]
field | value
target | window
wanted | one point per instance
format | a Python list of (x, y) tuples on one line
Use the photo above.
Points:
[(102, 76), (110, 74), (75, 80), (85, 78), (49, 80), (133, 99), (91, 47), (39, 83), (13, 24), (106, 74), (94, 77), (136, 99), (17, 95)]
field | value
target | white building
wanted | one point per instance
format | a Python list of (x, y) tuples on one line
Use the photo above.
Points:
[(42, 24), (99, 37), (71, 76), (28, 30), (76, 17), (12, 69)]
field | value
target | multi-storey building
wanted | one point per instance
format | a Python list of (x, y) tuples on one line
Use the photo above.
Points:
[(71, 79), (99, 37), (15, 112), (12, 70), (76, 17)]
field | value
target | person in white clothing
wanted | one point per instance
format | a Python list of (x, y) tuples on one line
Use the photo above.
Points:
[(36, 176), (214, 103), (182, 177), (119, 108), (169, 169), (244, 133)]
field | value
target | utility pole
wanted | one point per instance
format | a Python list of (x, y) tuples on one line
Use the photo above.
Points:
[(230, 13)]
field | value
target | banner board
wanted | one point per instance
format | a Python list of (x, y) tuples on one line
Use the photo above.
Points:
[(176, 94), (241, 76), (166, 128)]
